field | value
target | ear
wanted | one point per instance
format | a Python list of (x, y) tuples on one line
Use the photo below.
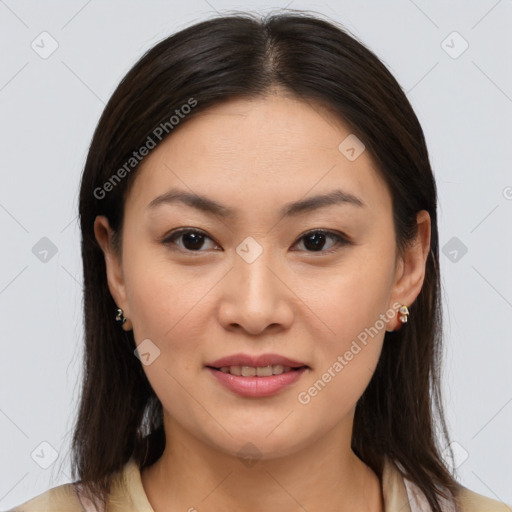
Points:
[(410, 270), (115, 278)]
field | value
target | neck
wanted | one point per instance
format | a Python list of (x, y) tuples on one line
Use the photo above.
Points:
[(325, 475)]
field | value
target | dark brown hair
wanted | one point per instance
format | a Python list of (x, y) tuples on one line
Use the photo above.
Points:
[(242, 55)]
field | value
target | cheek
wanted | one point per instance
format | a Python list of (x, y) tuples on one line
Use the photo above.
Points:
[(346, 357), (161, 294), (351, 304), (167, 310), (356, 295)]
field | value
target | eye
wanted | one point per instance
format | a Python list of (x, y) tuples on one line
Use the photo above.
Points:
[(193, 239), (316, 239)]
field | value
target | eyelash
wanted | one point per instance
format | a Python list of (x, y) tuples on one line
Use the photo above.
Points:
[(341, 239)]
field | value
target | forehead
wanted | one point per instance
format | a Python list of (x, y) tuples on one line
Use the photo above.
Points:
[(261, 151)]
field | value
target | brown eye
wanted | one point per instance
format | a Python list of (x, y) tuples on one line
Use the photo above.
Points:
[(315, 241), (192, 239)]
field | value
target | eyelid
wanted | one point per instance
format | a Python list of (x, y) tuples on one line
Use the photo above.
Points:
[(341, 239), (168, 238)]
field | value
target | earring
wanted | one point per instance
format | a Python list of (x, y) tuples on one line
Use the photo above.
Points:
[(403, 316), (404, 313), (120, 318)]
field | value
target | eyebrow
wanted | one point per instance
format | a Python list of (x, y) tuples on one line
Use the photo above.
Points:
[(208, 205)]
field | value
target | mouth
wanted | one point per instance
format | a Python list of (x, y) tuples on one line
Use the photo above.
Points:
[(259, 381), (258, 371)]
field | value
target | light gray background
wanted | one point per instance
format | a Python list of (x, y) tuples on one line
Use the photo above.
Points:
[(49, 109)]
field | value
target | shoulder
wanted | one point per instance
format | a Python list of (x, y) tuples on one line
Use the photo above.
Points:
[(471, 501), (62, 498)]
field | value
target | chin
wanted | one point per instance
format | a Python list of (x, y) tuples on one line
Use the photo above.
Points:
[(258, 446)]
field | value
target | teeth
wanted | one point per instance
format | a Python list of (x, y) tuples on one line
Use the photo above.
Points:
[(259, 371)]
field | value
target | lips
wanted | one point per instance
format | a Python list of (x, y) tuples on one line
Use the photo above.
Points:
[(255, 361), (257, 387)]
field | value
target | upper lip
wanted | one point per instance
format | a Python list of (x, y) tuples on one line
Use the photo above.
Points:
[(248, 360)]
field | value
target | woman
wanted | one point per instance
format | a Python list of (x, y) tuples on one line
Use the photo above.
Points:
[(262, 312)]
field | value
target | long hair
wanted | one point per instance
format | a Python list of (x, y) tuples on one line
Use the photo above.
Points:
[(241, 55)]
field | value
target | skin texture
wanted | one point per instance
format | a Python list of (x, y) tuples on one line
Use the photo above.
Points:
[(197, 305)]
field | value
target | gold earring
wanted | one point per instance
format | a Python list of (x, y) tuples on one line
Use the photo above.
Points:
[(404, 313)]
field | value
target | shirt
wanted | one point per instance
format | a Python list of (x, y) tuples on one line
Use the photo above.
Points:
[(128, 495)]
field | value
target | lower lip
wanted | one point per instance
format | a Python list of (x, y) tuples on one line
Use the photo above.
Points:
[(254, 387)]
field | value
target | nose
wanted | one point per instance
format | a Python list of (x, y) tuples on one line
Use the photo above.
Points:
[(255, 296)]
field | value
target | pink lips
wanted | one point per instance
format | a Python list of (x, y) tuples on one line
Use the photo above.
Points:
[(261, 360), (254, 387)]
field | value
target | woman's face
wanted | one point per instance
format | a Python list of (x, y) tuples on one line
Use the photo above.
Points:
[(263, 279)]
